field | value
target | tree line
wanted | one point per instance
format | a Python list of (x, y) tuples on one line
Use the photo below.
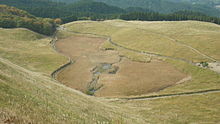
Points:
[(177, 16), (90, 10), (11, 17)]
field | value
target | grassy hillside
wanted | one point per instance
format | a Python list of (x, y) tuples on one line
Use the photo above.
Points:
[(37, 99), (158, 37), (163, 38), (28, 96), (29, 50)]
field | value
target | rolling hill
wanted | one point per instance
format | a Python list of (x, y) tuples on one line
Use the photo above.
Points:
[(162, 6), (162, 39), (212, 3), (58, 8), (205, 2), (30, 95), (109, 71), (44, 8)]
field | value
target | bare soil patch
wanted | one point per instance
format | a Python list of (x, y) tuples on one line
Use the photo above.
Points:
[(215, 66), (103, 74)]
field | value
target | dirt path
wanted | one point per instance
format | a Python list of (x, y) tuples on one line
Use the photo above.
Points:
[(202, 92), (16, 67), (194, 49), (185, 45), (133, 50)]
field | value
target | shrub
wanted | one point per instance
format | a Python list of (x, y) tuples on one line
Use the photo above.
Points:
[(204, 64)]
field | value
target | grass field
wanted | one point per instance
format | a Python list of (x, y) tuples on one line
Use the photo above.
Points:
[(164, 38), (29, 95)]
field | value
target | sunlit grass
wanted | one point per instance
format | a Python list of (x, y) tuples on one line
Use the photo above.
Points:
[(29, 50), (27, 96)]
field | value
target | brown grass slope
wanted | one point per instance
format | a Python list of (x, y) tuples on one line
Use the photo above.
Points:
[(27, 95)]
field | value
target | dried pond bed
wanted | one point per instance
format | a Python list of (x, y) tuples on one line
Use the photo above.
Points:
[(106, 74)]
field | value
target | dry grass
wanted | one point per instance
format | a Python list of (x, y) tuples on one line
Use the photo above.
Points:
[(27, 96), (198, 109), (135, 78), (132, 78), (126, 53), (29, 50), (136, 36), (158, 37), (86, 53), (39, 100)]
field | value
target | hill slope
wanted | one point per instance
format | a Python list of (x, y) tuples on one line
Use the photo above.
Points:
[(162, 6), (201, 2), (94, 7), (11, 17), (44, 8), (29, 95)]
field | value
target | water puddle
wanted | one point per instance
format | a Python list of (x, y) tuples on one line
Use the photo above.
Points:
[(105, 68)]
